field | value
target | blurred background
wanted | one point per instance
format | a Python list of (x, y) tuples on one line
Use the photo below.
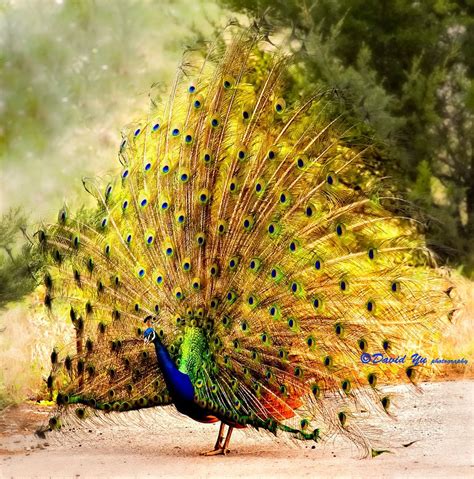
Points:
[(73, 72)]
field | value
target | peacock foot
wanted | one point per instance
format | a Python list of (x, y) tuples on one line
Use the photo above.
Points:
[(221, 446), (216, 452)]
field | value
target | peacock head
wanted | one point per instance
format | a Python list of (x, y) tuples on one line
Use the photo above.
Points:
[(149, 335)]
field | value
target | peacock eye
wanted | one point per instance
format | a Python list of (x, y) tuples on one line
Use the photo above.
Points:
[(279, 105)]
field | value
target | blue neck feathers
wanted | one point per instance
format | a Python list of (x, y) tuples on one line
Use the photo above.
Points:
[(178, 383)]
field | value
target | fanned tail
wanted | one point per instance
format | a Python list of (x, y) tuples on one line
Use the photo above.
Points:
[(269, 258)]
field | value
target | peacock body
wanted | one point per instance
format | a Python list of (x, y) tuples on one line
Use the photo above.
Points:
[(247, 241)]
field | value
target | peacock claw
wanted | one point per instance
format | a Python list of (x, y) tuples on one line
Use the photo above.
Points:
[(221, 446), (216, 452)]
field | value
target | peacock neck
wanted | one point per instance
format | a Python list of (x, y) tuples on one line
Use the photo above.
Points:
[(178, 383)]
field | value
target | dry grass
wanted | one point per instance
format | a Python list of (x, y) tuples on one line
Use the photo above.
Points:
[(458, 339), (27, 336)]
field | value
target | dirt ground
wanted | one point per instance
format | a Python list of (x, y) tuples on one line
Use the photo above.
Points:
[(440, 421)]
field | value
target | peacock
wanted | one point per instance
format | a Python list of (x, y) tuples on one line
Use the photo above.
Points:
[(241, 263)]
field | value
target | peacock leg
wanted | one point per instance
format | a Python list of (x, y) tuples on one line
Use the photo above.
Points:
[(218, 448), (227, 440), (220, 436)]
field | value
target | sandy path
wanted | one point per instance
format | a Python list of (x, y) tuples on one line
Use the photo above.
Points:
[(441, 421)]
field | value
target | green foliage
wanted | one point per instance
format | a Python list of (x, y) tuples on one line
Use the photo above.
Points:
[(421, 190), (18, 260), (404, 71)]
